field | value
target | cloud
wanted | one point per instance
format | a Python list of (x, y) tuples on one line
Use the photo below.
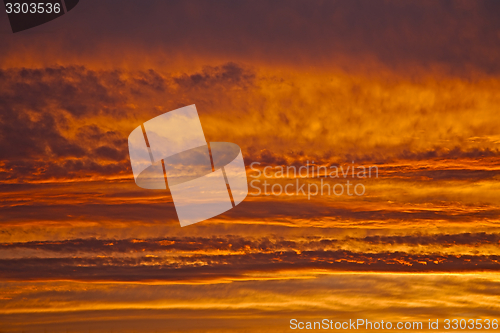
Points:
[(412, 88), (72, 122), (458, 37), (232, 244), (55, 120), (184, 268)]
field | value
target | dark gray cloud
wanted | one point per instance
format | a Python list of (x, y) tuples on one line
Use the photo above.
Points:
[(468, 238), (460, 36), (39, 107), (215, 266), (272, 209), (233, 243)]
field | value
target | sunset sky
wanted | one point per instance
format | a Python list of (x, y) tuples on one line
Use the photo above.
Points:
[(412, 87)]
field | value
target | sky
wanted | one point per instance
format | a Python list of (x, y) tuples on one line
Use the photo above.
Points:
[(407, 87)]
